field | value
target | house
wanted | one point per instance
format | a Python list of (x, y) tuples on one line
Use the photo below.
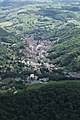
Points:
[(32, 76)]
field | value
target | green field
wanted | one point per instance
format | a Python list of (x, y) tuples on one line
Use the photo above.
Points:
[(53, 83), (41, 85), (36, 19)]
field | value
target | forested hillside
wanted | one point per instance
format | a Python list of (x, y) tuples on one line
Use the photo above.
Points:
[(6, 41), (58, 101), (7, 37), (66, 53), (9, 51)]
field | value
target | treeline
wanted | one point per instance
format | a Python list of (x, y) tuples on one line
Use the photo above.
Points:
[(59, 101)]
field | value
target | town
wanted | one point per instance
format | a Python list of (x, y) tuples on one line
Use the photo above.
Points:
[(34, 56)]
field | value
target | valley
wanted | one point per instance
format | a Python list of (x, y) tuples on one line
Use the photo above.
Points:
[(39, 39), (39, 59)]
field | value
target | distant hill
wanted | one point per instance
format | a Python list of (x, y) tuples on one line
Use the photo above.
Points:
[(39, 0), (66, 0)]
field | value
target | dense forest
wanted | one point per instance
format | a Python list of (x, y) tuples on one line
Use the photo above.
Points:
[(56, 101)]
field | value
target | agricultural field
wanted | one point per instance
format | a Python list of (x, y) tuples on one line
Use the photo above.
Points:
[(7, 24), (39, 19)]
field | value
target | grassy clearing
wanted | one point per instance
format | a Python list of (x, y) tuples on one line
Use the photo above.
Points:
[(42, 85), (38, 86)]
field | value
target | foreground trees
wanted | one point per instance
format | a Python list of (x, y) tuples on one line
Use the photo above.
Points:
[(59, 101)]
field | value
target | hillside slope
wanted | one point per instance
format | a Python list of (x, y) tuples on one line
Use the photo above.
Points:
[(7, 37), (66, 53), (6, 40), (9, 47)]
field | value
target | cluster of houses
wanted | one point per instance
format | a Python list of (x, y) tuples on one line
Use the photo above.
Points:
[(12, 82), (36, 53), (32, 79), (74, 74)]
